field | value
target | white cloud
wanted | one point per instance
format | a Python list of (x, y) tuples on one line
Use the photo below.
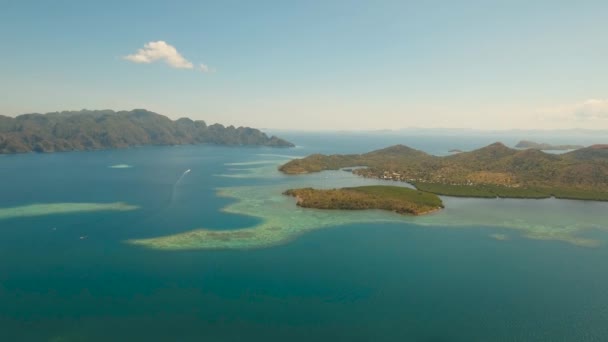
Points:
[(587, 114), (591, 109), (161, 51), (588, 111)]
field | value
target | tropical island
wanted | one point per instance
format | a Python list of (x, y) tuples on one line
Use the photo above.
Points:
[(106, 129), (392, 198), (523, 144), (492, 171)]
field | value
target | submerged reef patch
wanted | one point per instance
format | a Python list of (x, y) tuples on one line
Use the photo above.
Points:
[(120, 166), (282, 220), (61, 208)]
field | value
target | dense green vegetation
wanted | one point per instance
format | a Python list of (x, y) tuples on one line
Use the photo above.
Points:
[(103, 129), (393, 198), (576, 194), (491, 171), (397, 156), (483, 190), (491, 191), (546, 147)]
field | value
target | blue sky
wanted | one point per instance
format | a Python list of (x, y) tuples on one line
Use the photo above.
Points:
[(314, 64)]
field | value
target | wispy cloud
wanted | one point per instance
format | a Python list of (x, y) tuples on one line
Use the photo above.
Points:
[(590, 113), (160, 51), (204, 68), (591, 109)]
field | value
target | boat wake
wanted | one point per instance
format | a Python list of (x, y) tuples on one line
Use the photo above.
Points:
[(179, 180)]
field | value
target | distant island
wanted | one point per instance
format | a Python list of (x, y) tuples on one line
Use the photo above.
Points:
[(106, 129), (455, 150), (393, 198), (491, 171), (546, 147)]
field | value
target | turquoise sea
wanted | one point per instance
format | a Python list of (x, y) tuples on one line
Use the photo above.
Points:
[(483, 270)]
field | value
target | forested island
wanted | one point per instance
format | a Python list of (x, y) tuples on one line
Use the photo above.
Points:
[(492, 171), (106, 129), (546, 147), (393, 198)]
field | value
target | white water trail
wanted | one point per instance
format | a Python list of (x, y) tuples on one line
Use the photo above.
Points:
[(177, 183)]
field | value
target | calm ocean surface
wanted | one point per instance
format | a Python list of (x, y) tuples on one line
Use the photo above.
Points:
[(358, 282)]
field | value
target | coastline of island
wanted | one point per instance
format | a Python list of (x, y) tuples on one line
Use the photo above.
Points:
[(90, 130), (494, 171)]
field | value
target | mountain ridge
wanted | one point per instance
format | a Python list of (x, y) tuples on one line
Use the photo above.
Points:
[(491, 171), (108, 129)]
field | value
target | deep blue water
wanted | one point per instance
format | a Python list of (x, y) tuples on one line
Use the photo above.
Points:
[(358, 282)]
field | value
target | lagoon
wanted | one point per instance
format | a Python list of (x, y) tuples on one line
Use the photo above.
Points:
[(480, 270)]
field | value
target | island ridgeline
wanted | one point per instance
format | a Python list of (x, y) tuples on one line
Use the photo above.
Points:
[(492, 171), (107, 129)]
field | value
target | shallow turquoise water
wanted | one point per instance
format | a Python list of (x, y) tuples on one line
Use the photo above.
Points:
[(356, 282)]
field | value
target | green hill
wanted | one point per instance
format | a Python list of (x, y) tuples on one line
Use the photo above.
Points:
[(492, 171), (105, 129)]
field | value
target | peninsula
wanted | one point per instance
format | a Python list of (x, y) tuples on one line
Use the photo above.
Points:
[(107, 129), (491, 171), (546, 147), (392, 198)]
